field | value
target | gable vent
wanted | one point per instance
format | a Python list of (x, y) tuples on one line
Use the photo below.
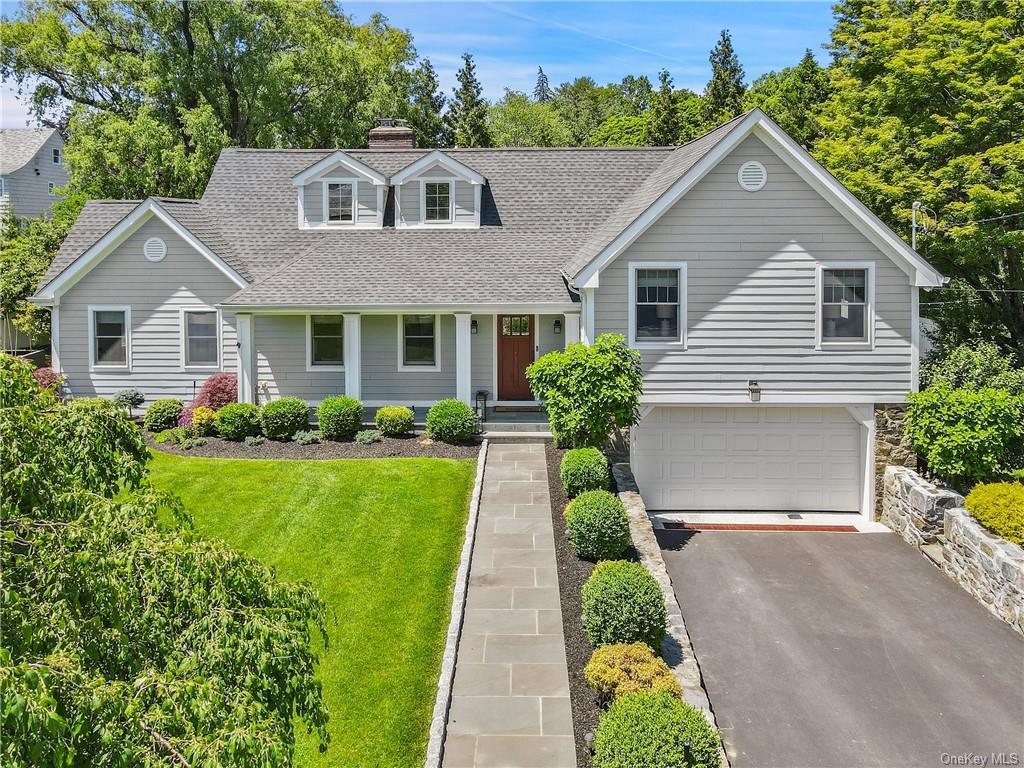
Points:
[(752, 176), (155, 249)]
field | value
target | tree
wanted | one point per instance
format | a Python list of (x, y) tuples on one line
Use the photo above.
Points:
[(467, 114), (723, 97), (427, 104), (635, 95), (793, 98), (515, 121), (663, 128), (128, 639), (185, 79), (927, 106), (542, 90), (689, 106), (583, 106), (620, 131)]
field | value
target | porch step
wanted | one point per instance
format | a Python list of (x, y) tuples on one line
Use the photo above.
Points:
[(503, 438), (516, 426)]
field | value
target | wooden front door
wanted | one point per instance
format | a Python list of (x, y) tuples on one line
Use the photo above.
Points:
[(515, 352)]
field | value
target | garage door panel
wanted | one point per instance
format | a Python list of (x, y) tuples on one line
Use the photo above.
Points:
[(803, 459)]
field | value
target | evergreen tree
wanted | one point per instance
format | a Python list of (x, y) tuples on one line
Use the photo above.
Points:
[(723, 97), (467, 115), (427, 104), (663, 128), (542, 90), (793, 98)]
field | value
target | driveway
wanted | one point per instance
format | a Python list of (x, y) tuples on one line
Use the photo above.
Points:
[(843, 650)]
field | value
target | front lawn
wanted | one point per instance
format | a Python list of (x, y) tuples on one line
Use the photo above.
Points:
[(380, 540)]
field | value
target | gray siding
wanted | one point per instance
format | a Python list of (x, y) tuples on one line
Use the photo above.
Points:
[(462, 192), (381, 379), (156, 293), (751, 261), (409, 200), (280, 342), (366, 203), (313, 199), (547, 340), (28, 192), (465, 203), (482, 355)]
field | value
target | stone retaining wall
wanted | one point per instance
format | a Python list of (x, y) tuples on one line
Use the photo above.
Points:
[(990, 568), (892, 447)]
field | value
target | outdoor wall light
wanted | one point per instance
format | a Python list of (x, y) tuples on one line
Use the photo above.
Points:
[(481, 404), (473, 328), (558, 326), (755, 391)]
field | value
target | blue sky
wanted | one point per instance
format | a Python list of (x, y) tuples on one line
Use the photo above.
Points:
[(606, 40)]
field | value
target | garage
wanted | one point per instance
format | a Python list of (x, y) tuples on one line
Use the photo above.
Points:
[(749, 458)]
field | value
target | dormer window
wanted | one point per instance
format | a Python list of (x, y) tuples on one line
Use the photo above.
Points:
[(339, 200), (437, 201)]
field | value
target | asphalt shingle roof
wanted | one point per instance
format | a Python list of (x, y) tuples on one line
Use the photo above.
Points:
[(19, 145)]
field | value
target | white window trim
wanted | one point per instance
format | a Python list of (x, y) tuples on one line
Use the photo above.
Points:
[(91, 311), (869, 308), (51, 189), (3, 186), (401, 223), (325, 203), (183, 337), (310, 367), (423, 202), (401, 345), (678, 343)]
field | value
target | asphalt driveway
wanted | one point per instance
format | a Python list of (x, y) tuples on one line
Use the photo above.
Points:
[(843, 650)]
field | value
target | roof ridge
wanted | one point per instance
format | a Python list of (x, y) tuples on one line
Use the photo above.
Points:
[(396, 150)]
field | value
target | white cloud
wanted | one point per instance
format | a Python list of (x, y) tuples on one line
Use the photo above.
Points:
[(13, 112)]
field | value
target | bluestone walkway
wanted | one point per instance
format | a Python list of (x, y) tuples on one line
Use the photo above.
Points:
[(510, 699)]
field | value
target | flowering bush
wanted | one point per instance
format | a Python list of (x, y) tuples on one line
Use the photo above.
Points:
[(47, 378)]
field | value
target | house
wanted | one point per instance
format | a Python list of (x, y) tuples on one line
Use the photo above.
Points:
[(32, 169), (773, 311)]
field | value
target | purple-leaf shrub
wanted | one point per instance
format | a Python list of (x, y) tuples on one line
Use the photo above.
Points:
[(47, 378), (217, 391)]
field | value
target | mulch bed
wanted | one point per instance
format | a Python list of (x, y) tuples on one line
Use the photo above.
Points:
[(572, 574), (413, 446)]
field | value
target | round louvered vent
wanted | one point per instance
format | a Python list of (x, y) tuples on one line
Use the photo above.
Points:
[(155, 249), (752, 176)]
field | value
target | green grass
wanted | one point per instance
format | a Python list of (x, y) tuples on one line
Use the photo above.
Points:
[(380, 540)]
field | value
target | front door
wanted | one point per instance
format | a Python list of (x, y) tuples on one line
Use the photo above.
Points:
[(515, 352)]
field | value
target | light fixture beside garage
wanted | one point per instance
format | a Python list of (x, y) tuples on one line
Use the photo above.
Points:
[(755, 391)]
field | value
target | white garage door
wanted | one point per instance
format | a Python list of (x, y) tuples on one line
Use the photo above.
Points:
[(799, 459)]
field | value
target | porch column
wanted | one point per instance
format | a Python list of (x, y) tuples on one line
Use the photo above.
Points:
[(463, 366), (587, 311), (572, 328), (353, 355), (246, 357)]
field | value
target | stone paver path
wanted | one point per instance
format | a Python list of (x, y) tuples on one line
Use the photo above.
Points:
[(510, 699)]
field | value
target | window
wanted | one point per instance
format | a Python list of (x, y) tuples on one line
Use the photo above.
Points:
[(340, 200), (56, 155), (201, 338), (844, 305), (3, 187), (516, 325), (419, 341), (110, 336), (657, 304), (437, 201), (50, 186), (326, 341)]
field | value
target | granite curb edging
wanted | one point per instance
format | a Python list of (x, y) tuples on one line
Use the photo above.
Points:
[(439, 721), (676, 648)]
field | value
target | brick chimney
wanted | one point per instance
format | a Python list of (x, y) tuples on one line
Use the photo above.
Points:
[(392, 134)]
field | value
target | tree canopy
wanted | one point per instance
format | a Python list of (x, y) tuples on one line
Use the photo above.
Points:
[(467, 112), (793, 98), (723, 97), (663, 125), (516, 121)]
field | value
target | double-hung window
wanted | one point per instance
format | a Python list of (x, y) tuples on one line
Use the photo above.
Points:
[(326, 341), (56, 155), (340, 202), (418, 342), (845, 305), (200, 347), (109, 336), (657, 303), (437, 202)]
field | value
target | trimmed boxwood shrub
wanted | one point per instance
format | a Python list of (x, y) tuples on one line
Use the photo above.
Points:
[(598, 526), (1000, 508), (394, 420), (204, 420), (163, 414), (622, 603), (615, 670), (451, 421), (283, 418), (583, 469), (238, 421), (340, 417), (655, 730)]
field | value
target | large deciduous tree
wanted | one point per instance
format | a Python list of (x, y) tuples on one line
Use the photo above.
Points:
[(793, 98), (127, 639), (584, 105), (467, 112), (927, 106), (723, 97), (515, 121)]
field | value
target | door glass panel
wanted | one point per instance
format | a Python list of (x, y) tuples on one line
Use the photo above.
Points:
[(516, 325)]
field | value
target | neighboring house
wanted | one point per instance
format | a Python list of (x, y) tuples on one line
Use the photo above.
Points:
[(772, 309), (32, 169)]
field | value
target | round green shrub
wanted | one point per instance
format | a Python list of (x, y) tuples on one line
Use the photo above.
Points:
[(583, 469), (283, 418), (368, 436), (598, 525), (623, 668), (163, 414), (204, 420), (394, 420), (654, 729), (622, 603), (340, 417), (237, 421), (451, 421), (129, 398), (1000, 508)]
